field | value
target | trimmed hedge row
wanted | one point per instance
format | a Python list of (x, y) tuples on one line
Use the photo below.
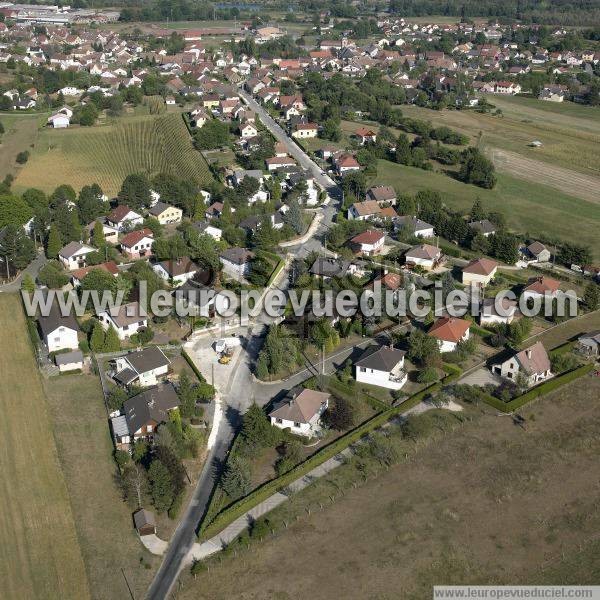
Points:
[(267, 489), (540, 390), (192, 366)]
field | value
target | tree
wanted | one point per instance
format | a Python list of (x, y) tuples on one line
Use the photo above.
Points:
[(427, 375), (341, 415), (422, 347), (52, 275), (504, 246), (213, 134), (97, 338), (135, 482), (86, 115), (477, 169), (260, 271), (187, 396), (403, 154), (116, 397), (16, 248), (161, 486), (28, 284), (135, 191), (256, 430), (236, 478), (591, 296), (98, 239), (111, 341), (14, 210), (90, 203), (477, 212), (294, 218), (22, 157)]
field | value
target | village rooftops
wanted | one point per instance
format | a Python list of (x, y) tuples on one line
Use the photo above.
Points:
[(135, 237), (542, 285), (54, 320), (301, 408), (424, 251), (329, 267), (238, 256), (126, 314)]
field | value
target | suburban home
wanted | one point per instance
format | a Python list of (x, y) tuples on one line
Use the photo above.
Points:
[(479, 272), (142, 367), (248, 130), (541, 287), (205, 228), (533, 363), (144, 522), (126, 319), (165, 213), (365, 136), (414, 226), (368, 242), (58, 332), (426, 256), (59, 120), (73, 255), (305, 130), (236, 262), (279, 162), (78, 275), (346, 163), (382, 367), (177, 271), (111, 234), (382, 194), (138, 243), (492, 314), (589, 343), (536, 252), (301, 412), (326, 268), (361, 211), (69, 361), (143, 413), (449, 331), (484, 227), (123, 218)]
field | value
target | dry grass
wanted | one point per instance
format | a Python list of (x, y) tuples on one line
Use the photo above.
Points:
[(486, 503), (40, 555)]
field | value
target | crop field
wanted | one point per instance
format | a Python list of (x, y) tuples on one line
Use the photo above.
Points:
[(529, 207), (483, 502), (40, 556), (107, 154)]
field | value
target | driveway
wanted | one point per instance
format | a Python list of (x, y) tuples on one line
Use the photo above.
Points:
[(33, 269)]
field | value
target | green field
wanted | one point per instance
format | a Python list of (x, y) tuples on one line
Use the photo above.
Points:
[(529, 207), (20, 131), (40, 556), (107, 154)]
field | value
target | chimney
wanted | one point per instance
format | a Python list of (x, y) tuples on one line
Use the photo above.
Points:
[(528, 353)]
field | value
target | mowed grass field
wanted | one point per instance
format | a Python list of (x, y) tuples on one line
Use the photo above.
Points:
[(107, 154), (530, 208), (20, 131), (103, 521), (485, 503), (40, 555)]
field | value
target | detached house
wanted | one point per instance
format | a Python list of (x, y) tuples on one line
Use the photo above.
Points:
[(382, 367), (300, 413), (346, 163), (479, 272), (178, 271), (126, 319), (58, 332), (449, 331), (138, 244), (497, 310), (382, 194), (73, 255), (236, 262), (533, 363), (305, 130), (426, 256), (368, 242), (536, 252), (413, 225), (165, 214), (123, 218), (484, 227), (365, 136), (541, 287), (141, 367)]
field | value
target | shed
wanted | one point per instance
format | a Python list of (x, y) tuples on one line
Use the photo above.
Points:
[(69, 361), (144, 522)]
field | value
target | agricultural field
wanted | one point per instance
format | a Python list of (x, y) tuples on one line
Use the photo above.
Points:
[(40, 556), (103, 521), (530, 208), (107, 154), (21, 132), (411, 526)]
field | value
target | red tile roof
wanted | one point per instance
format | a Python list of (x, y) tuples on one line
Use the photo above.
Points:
[(449, 329), (131, 239)]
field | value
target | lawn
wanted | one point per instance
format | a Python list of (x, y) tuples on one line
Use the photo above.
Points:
[(21, 132), (103, 521), (478, 502), (529, 207), (40, 556), (107, 154)]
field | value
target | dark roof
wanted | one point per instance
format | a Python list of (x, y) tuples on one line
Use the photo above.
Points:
[(125, 377), (238, 256), (143, 517), (483, 226), (380, 359), (54, 320), (151, 405), (147, 359), (67, 358), (329, 267), (301, 408), (126, 314), (181, 266)]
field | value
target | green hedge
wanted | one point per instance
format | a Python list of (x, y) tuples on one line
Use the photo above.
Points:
[(238, 508), (192, 366), (276, 272), (562, 349)]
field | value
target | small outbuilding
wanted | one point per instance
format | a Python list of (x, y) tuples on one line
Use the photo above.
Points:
[(145, 522)]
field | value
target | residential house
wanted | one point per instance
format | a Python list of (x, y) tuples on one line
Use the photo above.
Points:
[(414, 226), (479, 272), (165, 213), (69, 361), (449, 332), (177, 271), (122, 218), (362, 211), (138, 243), (345, 163), (426, 256), (236, 262), (533, 364), (589, 343), (279, 162), (144, 522), (536, 252), (326, 268), (59, 121), (144, 367), (58, 332), (365, 136), (541, 287), (484, 227), (111, 235), (73, 255), (382, 194), (248, 130), (78, 275), (126, 319), (497, 310), (301, 412), (204, 227), (305, 130), (368, 243), (383, 367)]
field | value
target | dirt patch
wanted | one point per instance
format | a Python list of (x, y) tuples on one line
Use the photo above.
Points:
[(565, 180)]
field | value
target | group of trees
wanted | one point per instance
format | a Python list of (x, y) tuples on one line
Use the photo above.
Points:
[(281, 350)]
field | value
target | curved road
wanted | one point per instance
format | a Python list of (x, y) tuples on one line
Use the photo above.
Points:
[(238, 395)]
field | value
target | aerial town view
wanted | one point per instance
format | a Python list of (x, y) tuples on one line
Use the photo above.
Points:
[(300, 300)]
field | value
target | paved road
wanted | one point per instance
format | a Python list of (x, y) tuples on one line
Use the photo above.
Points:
[(33, 269), (242, 389)]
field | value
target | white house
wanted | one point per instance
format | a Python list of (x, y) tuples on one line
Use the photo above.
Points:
[(414, 225), (178, 271), (502, 312), (368, 242), (479, 272), (59, 121), (123, 218), (206, 228), (383, 367), (424, 255), (236, 262), (449, 332), (58, 332), (300, 413), (73, 255), (126, 319), (541, 287), (144, 367), (533, 363), (69, 361), (138, 243)]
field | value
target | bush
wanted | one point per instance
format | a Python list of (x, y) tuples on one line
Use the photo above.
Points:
[(23, 157), (427, 375)]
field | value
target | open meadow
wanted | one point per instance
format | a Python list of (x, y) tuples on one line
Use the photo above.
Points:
[(478, 501), (20, 131), (40, 556), (106, 154), (530, 208)]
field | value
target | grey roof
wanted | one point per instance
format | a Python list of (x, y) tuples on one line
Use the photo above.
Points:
[(143, 517), (54, 320), (119, 426), (151, 405), (67, 358), (159, 208), (147, 359), (413, 222), (329, 267), (238, 256), (300, 408), (72, 248), (592, 336), (241, 173), (125, 377), (380, 359), (126, 314), (483, 226)]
